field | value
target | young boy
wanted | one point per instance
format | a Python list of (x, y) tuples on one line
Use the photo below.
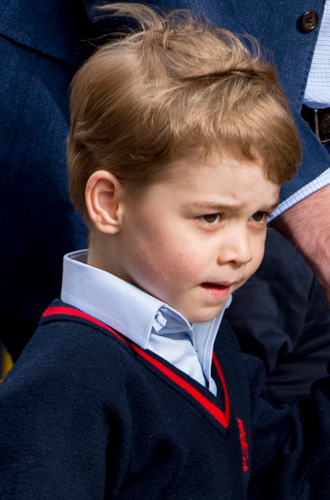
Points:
[(179, 143)]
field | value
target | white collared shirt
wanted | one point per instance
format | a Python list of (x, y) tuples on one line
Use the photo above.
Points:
[(145, 320), (317, 92)]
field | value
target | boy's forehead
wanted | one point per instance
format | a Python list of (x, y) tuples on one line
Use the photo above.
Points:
[(219, 181)]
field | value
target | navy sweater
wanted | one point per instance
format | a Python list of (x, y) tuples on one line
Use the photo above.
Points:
[(86, 414)]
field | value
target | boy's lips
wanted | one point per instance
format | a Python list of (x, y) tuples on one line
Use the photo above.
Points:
[(220, 289)]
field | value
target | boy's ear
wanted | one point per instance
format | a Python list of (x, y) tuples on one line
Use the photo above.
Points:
[(104, 200)]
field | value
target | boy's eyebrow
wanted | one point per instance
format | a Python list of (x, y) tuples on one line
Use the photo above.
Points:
[(228, 206)]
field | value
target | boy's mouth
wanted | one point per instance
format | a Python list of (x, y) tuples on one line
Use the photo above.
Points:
[(217, 289)]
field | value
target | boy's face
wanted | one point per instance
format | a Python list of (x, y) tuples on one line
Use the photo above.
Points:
[(197, 235)]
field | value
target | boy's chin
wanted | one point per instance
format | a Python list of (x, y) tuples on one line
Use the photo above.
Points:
[(203, 316)]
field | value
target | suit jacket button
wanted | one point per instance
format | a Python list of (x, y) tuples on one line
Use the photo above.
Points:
[(308, 21)]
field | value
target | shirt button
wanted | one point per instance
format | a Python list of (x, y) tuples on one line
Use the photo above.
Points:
[(308, 21)]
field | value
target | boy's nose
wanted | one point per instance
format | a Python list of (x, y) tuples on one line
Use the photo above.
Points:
[(237, 249)]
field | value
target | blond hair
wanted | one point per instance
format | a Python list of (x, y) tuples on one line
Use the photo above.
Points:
[(144, 98)]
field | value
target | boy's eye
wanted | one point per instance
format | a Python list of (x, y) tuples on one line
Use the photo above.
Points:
[(259, 216), (210, 218)]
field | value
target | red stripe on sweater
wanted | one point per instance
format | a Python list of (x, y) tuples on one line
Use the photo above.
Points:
[(222, 378), (70, 311)]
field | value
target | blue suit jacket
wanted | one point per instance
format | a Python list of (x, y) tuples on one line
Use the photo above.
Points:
[(42, 43)]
